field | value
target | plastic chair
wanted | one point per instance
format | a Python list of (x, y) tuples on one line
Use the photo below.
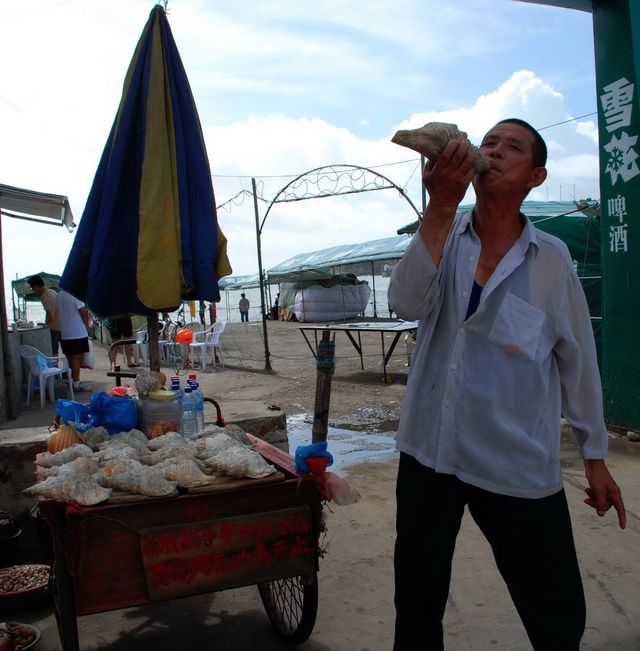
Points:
[(214, 343), (200, 345), (46, 369), (141, 347)]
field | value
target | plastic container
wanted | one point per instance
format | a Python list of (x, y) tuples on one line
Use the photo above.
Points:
[(198, 398), (189, 424), (175, 387), (160, 413)]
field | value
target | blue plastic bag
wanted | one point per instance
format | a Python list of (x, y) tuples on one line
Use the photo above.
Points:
[(114, 414), (314, 450)]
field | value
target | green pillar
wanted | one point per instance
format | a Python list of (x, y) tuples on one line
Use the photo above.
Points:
[(617, 48)]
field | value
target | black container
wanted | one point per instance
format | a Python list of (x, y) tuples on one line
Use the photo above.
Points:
[(9, 534)]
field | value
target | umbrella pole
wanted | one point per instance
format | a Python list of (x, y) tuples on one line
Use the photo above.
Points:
[(153, 339)]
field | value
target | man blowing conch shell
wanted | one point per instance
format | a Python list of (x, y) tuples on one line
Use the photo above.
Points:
[(504, 347)]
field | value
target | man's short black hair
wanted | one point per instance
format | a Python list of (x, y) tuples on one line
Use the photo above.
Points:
[(35, 281), (539, 145)]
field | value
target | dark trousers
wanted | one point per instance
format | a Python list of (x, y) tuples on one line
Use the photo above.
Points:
[(532, 544), (244, 316)]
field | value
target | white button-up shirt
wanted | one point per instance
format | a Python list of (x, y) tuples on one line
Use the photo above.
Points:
[(485, 396)]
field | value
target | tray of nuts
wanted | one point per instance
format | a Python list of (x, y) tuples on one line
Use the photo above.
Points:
[(23, 585), (15, 636)]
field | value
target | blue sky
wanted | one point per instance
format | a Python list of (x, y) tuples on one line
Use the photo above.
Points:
[(283, 87)]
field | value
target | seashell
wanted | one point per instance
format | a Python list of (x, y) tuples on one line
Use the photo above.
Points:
[(62, 438), (213, 445), (66, 455), (240, 462), (134, 477), (111, 453), (209, 430), (149, 381), (168, 452), (430, 139), (94, 436), (80, 465), (170, 439), (129, 439), (185, 471), (70, 487), (236, 432)]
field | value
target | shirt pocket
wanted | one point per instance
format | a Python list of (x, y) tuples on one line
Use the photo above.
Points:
[(517, 328)]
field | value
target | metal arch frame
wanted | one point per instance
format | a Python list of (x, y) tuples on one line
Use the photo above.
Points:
[(343, 179), (341, 173)]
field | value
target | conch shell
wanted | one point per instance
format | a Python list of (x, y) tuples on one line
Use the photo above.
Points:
[(149, 381), (240, 462), (433, 137), (62, 438), (67, 487)]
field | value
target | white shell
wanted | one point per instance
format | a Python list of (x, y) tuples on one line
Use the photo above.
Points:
[(430, 139), (185, 471), (170, 439), (132, 476), (81, 465), (68, 487), (240, 462), (66, 455)]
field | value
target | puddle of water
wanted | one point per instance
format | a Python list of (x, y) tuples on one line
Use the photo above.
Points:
[(356, 443)]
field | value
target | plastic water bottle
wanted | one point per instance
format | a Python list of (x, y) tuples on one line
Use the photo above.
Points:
[(199, 400), (189, 424), (175, 387)]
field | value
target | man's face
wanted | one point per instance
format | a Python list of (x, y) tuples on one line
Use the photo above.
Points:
[(510, 149), (36, 289)]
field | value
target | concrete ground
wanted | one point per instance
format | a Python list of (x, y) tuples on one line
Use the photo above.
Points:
[(355, 611)]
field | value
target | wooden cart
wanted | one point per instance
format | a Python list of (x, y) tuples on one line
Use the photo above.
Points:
[(137, 551)]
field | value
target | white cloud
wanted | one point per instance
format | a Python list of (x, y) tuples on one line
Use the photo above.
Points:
[(280, 91)]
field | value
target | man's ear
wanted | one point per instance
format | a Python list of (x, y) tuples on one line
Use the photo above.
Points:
[(538, 177)]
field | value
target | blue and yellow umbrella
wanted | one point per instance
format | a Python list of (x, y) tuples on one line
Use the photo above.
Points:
[(149, 237)]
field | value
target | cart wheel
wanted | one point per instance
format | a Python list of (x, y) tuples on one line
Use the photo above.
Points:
[(291, 605)]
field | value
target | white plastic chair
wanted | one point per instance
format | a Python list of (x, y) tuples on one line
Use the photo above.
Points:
[(200, 343), (141, 347), (46, 369), (213, 345)]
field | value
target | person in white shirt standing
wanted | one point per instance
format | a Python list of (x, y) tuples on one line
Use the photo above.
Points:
[(504, 348), (74, 318)]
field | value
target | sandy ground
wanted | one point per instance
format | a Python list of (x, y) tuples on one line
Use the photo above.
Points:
[(356, 584)]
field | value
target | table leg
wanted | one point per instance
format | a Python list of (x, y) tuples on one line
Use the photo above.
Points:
[(64, 597)]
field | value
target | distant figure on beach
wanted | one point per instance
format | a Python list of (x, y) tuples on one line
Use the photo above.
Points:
[(74, 319), (213, 312), (504, 348), (49, 300), (243, 306), (274, 310), (121, 328)]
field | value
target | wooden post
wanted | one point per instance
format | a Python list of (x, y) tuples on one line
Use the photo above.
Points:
[(152, 342), (326, 366)]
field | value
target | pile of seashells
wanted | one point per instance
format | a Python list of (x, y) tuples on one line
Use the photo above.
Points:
[(89, 472)]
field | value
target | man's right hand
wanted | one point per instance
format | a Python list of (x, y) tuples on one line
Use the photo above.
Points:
[(446, 181)]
